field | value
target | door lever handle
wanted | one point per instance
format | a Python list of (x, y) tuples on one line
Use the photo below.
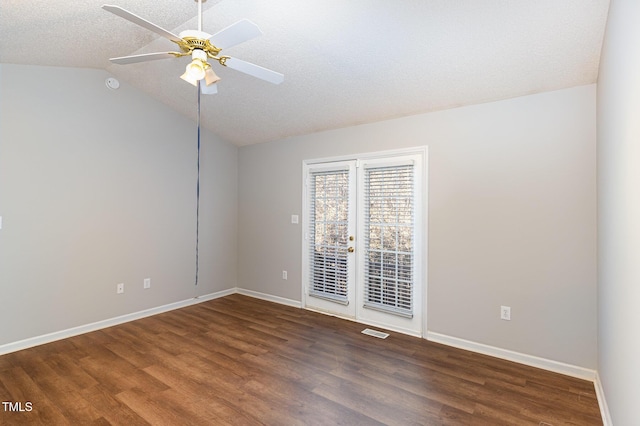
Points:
[(351, 250)]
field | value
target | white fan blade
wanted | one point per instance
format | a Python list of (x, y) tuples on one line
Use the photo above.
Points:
[(124, 60), (117, 10), (211, 89), (255, 70), (235, 34)]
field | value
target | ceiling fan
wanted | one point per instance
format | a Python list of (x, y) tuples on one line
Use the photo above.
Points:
[(201, 46)]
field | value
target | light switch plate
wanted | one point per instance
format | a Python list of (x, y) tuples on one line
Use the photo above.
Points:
[(294, 218)]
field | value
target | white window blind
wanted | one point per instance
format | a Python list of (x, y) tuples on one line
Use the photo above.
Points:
[(328, 234), (389, 238)]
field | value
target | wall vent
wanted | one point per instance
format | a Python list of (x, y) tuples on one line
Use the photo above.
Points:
[(375, 333)]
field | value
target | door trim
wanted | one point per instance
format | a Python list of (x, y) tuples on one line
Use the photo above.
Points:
[(423, 275)]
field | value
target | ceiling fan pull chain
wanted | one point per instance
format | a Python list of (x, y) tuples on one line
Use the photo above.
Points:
[(198, 184)]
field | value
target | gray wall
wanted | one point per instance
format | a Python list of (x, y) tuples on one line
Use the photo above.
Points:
[(512, 218), (97, 187), (619, 213)]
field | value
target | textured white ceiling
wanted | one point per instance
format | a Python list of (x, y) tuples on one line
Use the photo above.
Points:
[(345, 62)]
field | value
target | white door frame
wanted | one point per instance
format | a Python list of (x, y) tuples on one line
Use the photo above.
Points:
[(422, 225)]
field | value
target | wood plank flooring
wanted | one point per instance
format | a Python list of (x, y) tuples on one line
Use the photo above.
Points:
[(243, 361)]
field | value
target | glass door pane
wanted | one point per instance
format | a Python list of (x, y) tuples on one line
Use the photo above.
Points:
[(329, 213), (388, 235), (329, 239)]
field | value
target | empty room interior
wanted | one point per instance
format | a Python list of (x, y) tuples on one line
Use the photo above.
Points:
[(362, 212)]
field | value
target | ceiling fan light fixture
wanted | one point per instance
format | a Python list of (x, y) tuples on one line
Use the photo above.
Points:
[(186, 77), (210, 77), (195, 70)]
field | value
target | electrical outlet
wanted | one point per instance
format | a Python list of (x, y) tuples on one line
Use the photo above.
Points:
[(284, 275), (120, 288), (505, 313), (147, 283)]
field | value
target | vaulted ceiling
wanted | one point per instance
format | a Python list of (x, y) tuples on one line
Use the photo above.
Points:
[(345, 62)]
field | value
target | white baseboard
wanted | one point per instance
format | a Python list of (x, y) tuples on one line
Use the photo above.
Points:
[(530, 360), (216, 295), (269, 297), (602, 402), (63, 334)]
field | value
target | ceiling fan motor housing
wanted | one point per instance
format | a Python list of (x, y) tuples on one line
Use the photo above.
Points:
[(197, 40), (199, 54)]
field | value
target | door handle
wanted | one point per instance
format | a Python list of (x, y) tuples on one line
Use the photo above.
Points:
[(351, 249)]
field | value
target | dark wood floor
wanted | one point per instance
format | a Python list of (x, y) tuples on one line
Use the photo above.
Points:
[(243, 361)]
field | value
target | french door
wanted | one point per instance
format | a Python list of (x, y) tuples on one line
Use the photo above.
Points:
[(363, 238)]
